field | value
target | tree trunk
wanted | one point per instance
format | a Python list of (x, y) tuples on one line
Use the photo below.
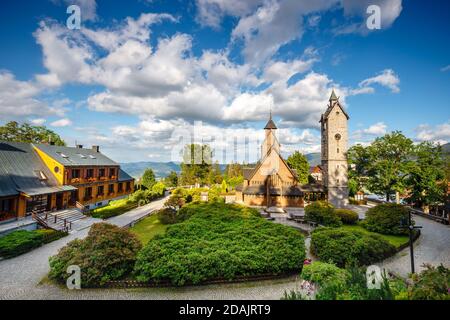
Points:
[(387, 196)]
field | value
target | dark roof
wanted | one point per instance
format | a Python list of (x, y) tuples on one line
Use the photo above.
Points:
[(312, 188), (333, 96), (72, 156), (270, 124), (247, 173), (21, 170), (261, 190), (239, 187), (123, 176), (330, 107)]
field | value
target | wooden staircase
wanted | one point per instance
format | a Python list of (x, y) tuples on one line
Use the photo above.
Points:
[(59, 220)]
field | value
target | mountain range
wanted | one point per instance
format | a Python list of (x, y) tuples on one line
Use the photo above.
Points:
[(162, 169)]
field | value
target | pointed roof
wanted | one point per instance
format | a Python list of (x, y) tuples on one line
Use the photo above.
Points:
[(270, 124), (333, 96)]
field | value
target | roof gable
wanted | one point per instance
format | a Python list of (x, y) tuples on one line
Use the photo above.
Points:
[(265, 159), (333, 104)]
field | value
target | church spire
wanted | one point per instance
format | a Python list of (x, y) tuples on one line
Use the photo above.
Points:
[(270, 124), (333, 96)]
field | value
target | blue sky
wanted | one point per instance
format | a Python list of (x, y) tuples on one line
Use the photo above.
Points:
[(138, 74)]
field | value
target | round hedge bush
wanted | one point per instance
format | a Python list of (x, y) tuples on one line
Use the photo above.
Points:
[(107, 253), (386, 218), (220, 241), (343, 247), (323, 213), (347, 216)]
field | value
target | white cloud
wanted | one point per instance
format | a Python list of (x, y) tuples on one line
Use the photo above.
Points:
[(38, 121), (61, 123), (390, 11), (273, 25), (21, 98), (438, 133), (387, 78)]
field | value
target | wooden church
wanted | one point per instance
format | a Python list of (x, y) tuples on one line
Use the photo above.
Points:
[(272, 183)]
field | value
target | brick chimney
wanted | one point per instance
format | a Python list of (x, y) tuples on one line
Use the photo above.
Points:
[(96, 148)]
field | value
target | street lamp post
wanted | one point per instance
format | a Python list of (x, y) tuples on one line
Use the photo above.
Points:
[(408, 223)]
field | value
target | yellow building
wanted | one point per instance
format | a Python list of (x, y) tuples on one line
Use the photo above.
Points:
[(40, 178)]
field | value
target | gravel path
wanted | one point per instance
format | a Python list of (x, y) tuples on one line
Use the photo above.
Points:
[(20, 276)]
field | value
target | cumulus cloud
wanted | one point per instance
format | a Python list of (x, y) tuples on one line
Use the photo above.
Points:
[(357, 9), (438, 133), (61, 123), (375, 130), (387, 78), (21, 98), (38, 121)]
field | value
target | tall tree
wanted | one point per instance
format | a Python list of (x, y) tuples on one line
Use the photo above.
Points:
[(390, 163), (148, 179), (196, 164), (13, 131), (171, 180), (358, 161), (426, 180), (298, 162)]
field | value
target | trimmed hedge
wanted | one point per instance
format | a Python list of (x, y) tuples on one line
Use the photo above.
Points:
[(386, 218), (220, 241), (343, 247), (347, 216), (324, 273), (21, 241), (323, 213), (107, 253)]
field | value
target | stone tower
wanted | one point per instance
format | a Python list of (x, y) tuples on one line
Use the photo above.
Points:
[(334, 132)]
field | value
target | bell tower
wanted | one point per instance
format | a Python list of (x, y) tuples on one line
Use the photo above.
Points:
[(334, 133)]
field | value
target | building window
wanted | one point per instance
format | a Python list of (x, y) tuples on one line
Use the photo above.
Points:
[(112, 172), (101, 172), (75, 173), (88, 193), (120, 187), (89, 173), (56, 169), (128, 186), (111, 189), (100, 190)]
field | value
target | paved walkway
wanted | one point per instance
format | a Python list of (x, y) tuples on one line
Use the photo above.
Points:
[(433, 247), (20, 276)]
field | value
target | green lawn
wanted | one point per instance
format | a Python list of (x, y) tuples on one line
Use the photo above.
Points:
[(147, 228), (396, 241)]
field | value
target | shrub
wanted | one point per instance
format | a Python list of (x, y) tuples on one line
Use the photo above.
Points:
[(322, 213), (323, 273), (219, 241), (167, 216), (18, 242), (49, 235), (433, 283), (107, 253), (347, 216), (343, 247), (386, 218), (114, 208)]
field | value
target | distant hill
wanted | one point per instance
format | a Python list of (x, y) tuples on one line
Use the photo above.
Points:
[(446, 148), (313, 159), (162, 169)]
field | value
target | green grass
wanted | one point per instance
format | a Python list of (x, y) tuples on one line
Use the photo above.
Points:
[(396, 241), (114, 208), (147, 228)]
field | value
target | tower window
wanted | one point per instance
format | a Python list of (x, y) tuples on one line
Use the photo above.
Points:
[(337, 150)]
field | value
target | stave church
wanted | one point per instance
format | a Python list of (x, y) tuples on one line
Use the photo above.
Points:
[(272, 183)]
